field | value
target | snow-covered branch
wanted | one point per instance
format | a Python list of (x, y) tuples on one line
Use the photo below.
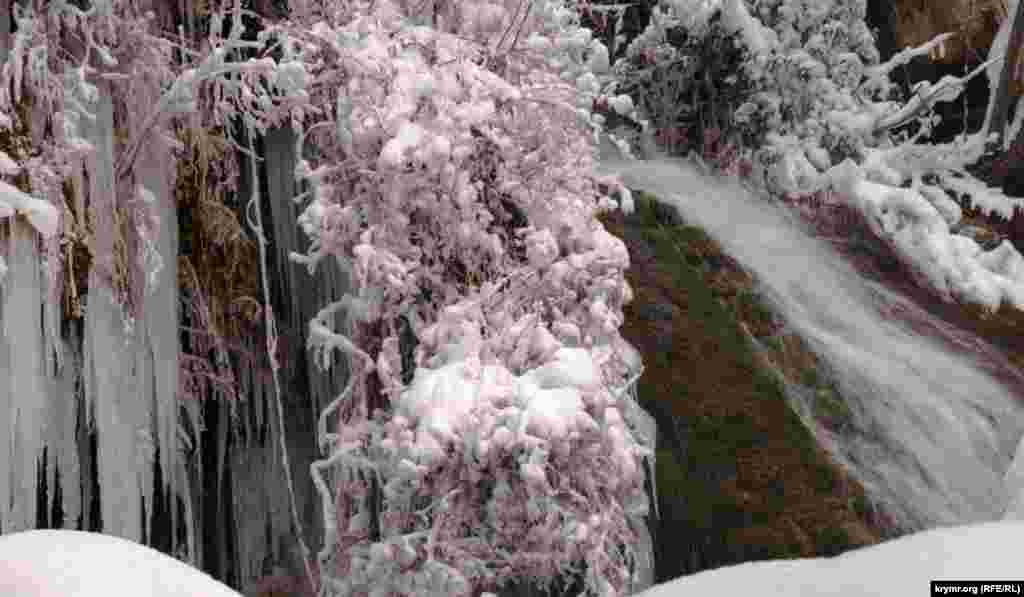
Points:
[(926, 95)]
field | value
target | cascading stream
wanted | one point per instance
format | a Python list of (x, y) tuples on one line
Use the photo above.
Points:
[(933, 434)]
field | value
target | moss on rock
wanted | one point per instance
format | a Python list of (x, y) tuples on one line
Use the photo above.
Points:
[(739, 476)]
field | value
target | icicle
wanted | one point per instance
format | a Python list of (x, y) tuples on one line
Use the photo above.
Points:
[(303, 293), (85, 454), (260, 402), (256, 224), (249, 534), (120, 415), (61, 399), (245, 393), (27, 406), (160, 307), (223, 432), (146, 451), (191, 548), (65, 404), (184, 488), (6, 401)]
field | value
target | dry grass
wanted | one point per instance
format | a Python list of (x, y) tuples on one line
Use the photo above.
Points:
[(76, 246), (217, 257)]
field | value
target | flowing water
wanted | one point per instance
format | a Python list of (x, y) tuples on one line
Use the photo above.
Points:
[(933, 434)]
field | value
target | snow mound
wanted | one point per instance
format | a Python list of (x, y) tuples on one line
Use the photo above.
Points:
[(904, 566), (58, 563)]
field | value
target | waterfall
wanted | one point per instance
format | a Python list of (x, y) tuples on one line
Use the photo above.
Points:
[(933, 435)]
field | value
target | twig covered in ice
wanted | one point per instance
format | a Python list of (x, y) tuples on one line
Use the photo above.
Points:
[(946, 90)]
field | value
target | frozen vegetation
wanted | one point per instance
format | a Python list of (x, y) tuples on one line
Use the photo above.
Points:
[(449, 169)]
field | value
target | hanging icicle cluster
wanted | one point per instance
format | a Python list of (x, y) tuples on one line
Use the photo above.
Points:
[(109, 371), (95, 389)]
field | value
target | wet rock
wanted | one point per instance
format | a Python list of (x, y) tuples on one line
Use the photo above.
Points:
[(1013, 184)]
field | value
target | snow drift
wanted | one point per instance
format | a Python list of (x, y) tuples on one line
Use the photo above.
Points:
[(56, 563), (904, 566)]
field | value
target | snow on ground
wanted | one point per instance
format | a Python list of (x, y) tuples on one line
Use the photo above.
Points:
[(896, 568), (71, 563), (52, 563)]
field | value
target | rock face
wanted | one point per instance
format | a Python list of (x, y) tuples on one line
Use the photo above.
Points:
[(739, 476)]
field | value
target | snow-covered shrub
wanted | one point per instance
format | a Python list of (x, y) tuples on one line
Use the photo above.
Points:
[(692, 81), (453, 179), (487, 476), (810, 84), (818, 113)]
